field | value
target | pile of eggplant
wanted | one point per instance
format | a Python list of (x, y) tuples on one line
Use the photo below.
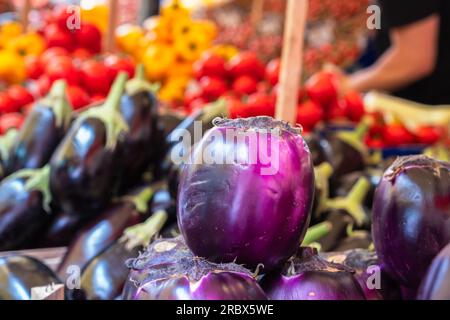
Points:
[(323, 219)]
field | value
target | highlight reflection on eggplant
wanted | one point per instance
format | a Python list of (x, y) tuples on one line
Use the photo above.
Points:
[(18, 274), (42, 131), (86, 167), (24, 208)]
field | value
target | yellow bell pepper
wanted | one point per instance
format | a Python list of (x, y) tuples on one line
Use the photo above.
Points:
[(161, 27), (206, 27), (191, 48), (27, 44), (181, 69), (11, 29), (158, 59), (128, 37), (175, 11), (173, 90), (97, 15), (12, 67), (225, 51)]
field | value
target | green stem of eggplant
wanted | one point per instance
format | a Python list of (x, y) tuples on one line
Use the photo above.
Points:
[(356, 137), (214, 110), (322, 174), (141, 200), (141, 234), (352, 204), (316, 233), (113, 99), (140, 72), (139, 83), (6, 141), (58, 102)]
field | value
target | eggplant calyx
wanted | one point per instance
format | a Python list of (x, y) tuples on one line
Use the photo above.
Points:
[(57, 101), (141, 234), (352, 204), (37, 180), (109, 113), (139, 84), (6, 141), (317, 232), (322, 173), (214, 110), (141, 200), (260, 123), (355, 138)]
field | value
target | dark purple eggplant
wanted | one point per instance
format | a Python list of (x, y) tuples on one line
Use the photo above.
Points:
[(43, 130), (411, 217), (436, 284), (318, 153), (360, 239), (104, 276), (86, 168), (141, 146), (106, 228), (19, 274), (5, 144), (24, 208), (343, 213), (370, 275)]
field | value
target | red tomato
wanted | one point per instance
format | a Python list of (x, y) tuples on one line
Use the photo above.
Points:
[(58, 37), (212, 88), (12, 120), (273, 71), (89, 37), (81, 54), (397, 135), (261, 104), (309, 114), (49, 54), (42, 86), (322, 88), (245, 85), (428, 135), (96, 77), (210, 65), (98, 98), (191, 95), (374, 142), (237, 109), (354, 105), (78, 97), (246, 64), (62, 68), (196, 104), (20, 95), (336, 111), (116, 64), (8, 104), (61, 15), (33, 67)]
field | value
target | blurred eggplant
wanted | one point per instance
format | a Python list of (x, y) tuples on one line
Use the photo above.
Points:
[(360, 239), (370, 275), (44, 128), (104, 276), (106, 228), (343, 213), (436, 284), (5, 143), (19, 274), (86, 168), (141, 145), (24, 208), (318, 153)]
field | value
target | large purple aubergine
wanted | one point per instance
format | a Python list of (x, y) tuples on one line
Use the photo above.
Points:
[(246, 193), (168, 270), (307, 276), (436, 284), (411, 217)]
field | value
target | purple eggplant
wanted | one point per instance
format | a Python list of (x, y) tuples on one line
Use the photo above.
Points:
[(307, 276), (141, 146), (43, 130), (371, 277), (411, 217), (24, 208), (168, 270), (19, 274), (436, 284), (360, 239), (106, 228), (6, 142), (264, 204), (318, 153), (86, 168)]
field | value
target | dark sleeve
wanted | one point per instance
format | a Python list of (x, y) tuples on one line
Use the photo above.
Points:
[(398, 13)]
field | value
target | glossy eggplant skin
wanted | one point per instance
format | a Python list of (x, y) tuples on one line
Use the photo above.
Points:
[(100, 233), (436, 284), (18, 274), (318, 153), (22, 216), (36, 142), (141, 146), (84, 173)]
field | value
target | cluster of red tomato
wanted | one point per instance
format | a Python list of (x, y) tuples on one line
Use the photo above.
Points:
[(338, 10), (11, 103)]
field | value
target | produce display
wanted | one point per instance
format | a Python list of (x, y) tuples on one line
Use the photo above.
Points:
[(159, 172)]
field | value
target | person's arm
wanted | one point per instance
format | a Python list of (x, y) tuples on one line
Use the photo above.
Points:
[(411, 57)]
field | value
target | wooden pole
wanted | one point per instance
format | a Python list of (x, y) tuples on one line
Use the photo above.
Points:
[(292, 60), (112, 25), (24, 15), (257, 12)]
